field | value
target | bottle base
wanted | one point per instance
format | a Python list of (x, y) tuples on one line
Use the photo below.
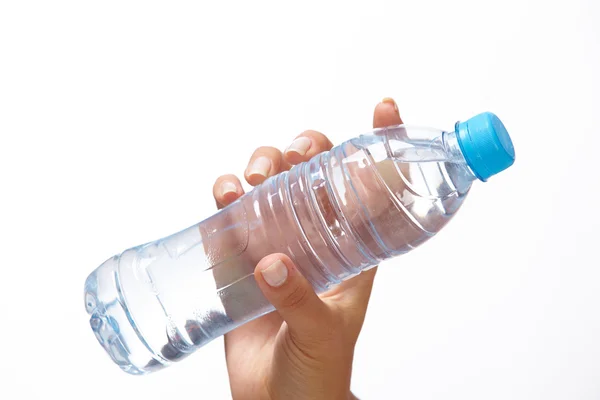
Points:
[(112, 325)]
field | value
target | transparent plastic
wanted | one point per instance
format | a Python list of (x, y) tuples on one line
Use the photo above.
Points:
[(367, 200)]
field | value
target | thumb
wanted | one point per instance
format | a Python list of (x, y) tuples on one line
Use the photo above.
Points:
[(293, 296)]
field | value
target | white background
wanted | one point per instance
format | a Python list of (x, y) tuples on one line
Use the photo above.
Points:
[(117, 116)]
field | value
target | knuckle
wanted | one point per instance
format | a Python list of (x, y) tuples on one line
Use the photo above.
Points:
[(226, 177), (310, 132), (327, 332), (313, 134), (266, 150), (229, 177), (297, 298), (321, 141)]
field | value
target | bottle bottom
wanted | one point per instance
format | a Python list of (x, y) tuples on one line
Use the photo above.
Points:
[(132, 327), (112, 325)]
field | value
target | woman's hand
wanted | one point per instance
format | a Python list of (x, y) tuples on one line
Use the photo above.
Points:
[(305, 349)]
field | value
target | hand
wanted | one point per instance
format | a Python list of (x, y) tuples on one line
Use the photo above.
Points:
[(305, 349)]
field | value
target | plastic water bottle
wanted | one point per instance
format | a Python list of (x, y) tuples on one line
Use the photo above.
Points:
[(367, 200)]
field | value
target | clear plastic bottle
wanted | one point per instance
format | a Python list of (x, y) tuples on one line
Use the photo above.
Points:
[(370, 199)]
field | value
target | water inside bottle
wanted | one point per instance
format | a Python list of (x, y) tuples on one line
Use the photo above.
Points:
[(157, 303)]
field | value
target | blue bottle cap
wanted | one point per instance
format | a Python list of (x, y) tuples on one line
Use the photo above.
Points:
[(485, 144)]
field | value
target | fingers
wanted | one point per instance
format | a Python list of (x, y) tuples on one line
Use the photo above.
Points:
[(306, 145), (266, 161), (386, 114), (293, 296), (357, 291), (226, 190), (352, 296)]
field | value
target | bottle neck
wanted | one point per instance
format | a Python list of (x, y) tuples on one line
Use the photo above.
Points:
[(462, 175)]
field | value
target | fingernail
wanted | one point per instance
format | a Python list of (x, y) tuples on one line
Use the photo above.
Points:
[(228, 187), (390, 101), (299, 145), (275, 274), (260, 166)]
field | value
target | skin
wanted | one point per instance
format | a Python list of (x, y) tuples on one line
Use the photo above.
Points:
[(305, 349)]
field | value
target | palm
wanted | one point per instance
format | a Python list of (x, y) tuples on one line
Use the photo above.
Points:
[(249, 352), (250, 349)]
